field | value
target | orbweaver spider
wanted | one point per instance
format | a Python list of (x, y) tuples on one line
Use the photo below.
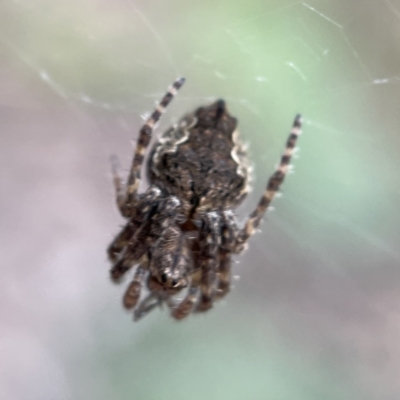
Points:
[(181, 232)]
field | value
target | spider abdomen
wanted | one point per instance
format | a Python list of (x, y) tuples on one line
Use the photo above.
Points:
[(200, 160)]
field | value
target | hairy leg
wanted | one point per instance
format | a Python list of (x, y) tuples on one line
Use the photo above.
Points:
[(273, 186), (211, 278), (130, 245), (185, 307), (121, 241), (129, 258), (132, 293), (126, 199)]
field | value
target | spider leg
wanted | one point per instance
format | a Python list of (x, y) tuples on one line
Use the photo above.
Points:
[(209, 241), (132, 293), (147, 305), (133, 252), (273, 186), (131, 243), (121, 241), (125, 201), (229, 234), (185, 307)]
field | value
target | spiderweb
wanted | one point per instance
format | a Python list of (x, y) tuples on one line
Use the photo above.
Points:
[(319, 287)]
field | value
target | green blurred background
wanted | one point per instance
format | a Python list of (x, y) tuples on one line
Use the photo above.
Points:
[(316, 311)]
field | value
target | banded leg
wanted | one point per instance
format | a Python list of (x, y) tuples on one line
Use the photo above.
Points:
[(131, 256), (126, 200), (185, 307), (121, 241), (132, 293), (135, 237), (273, 186)]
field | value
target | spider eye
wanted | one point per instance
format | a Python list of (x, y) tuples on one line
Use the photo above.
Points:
[(164, 277), (174, 282)]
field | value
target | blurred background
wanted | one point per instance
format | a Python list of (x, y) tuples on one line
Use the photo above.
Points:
[(315, 309)]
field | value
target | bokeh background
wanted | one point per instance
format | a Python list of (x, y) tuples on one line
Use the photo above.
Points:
[(315, 311)]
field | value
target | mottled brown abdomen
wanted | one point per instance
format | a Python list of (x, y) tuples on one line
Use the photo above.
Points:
[(201, 161)]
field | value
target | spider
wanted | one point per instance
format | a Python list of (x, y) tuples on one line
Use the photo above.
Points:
[(181, 232)]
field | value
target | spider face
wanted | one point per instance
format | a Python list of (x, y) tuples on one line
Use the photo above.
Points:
[(169, 262), (167, 283), (182, 230)]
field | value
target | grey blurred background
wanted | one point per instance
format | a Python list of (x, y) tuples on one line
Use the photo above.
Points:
[(316, 311)]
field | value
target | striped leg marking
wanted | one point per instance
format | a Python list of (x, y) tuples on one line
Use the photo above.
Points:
[(132, 293), (144, 140), (273, 185), (120, 242), (183, 309)]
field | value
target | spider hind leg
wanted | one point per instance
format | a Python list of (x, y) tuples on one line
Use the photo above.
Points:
[(272, 188), (127, 196), (120, 242), (185, 307)]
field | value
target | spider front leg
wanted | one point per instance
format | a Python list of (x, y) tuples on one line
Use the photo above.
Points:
[(132, 293), (127, 198), (129, 258), (273, 186), (130, 244), (121, 241), (204, 276), (185, 307)]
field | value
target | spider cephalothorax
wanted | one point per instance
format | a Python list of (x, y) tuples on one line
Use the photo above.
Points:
[(182, 231)]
